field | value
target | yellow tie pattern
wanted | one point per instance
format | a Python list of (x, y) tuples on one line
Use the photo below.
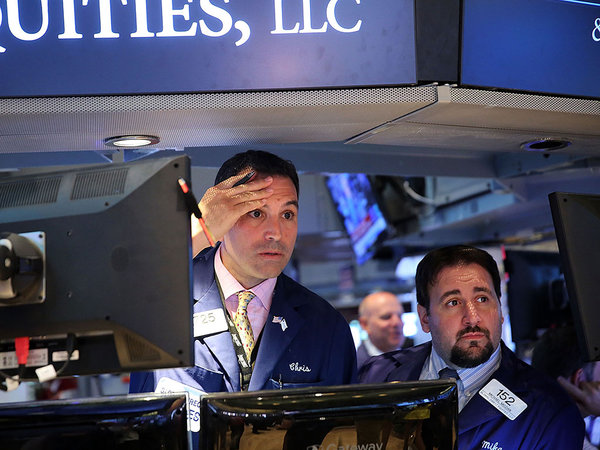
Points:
[(242, 323)]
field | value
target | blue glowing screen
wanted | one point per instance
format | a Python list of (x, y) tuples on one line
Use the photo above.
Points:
[(545, 46), (363, 219)]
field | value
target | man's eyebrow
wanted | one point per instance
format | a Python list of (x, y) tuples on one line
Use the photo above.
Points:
[(450, 293), (292, 203), (482, 289), (476, 289)]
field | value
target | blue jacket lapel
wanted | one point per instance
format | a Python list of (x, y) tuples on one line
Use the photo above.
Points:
[(409, 362), (275, 340), (207, 294)]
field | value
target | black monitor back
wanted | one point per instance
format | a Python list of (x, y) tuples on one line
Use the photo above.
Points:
[(117, 254), (577, 223), (398, 415), (132, 422), (537, 297)]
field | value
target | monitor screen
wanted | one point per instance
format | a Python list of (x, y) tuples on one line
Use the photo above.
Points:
[(361, 215), (147, 421), (421, 414), (98, 260), (546, 46), (577, 223), (537, 297)]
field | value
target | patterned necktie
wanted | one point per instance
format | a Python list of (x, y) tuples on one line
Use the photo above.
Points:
[(242, 323)]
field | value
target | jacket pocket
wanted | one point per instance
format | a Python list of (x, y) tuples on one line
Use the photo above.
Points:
[(276, 384)]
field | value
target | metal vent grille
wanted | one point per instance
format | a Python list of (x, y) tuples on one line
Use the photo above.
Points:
[(525, 101), (29, 192), (139, 351), (99, 183), (331, 97)]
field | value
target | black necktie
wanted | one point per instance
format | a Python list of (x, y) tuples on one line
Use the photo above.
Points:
[(447, 372)]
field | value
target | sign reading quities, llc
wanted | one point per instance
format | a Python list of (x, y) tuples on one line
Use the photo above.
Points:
[(86, 47)]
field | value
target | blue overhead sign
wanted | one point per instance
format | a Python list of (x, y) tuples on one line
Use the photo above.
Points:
[(87, 47), (546, 46)]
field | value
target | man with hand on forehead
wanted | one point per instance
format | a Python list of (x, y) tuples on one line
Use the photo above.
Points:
[(254, 327), (503, 402)]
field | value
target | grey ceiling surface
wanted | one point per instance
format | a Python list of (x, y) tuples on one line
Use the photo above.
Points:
[(424, 131)]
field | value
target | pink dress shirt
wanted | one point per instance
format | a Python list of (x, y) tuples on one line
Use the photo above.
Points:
[(258, 308)]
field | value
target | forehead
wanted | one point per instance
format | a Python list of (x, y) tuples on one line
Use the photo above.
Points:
[(382, 305), (283, 189), (388, 302), (464, 274)]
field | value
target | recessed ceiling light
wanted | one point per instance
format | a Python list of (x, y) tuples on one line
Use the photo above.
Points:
[(131, 141), (545, 145)]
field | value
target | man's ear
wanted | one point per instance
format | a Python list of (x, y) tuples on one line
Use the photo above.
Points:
[(424, 318), (363, 323), (577, 377)]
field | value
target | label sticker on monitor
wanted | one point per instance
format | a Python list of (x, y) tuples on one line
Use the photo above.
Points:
[(169, 386), (63, 355), (37, 357), (209, 322), (503, 399)]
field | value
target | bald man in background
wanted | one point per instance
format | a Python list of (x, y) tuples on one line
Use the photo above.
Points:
[(380, 315)]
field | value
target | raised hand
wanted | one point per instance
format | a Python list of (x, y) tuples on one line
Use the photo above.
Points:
[(222, 205)]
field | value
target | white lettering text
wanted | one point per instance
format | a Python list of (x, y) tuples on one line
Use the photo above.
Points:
[(69, 21), (279, 21), (296, 367), (333, 20), (307, 19), (29, 20), (168, 13), (489, 446), (218, 13), (14, 21), (141, 20)]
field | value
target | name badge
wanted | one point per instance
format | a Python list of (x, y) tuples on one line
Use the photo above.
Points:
[(209, 322), (168, 386), (503, 399)]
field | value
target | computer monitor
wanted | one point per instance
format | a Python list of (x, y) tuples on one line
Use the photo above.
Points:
[(419, 414), (141, 421), (360, 212), (577, 223), (100, 259), (536, 290)]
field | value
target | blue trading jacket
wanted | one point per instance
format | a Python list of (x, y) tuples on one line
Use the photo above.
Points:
[(316, 348), (550, 421)]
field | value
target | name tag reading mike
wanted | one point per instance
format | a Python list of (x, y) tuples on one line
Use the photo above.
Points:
[(209, 322), (503, 399)]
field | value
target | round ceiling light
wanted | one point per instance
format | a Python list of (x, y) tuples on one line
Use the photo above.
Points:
[(131, 141), (545, 145)]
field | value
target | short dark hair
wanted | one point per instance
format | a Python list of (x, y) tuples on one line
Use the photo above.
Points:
[(456, 255), (260, 161), (557, 353)]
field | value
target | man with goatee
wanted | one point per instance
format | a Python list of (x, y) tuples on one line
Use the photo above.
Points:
[(503, 403)]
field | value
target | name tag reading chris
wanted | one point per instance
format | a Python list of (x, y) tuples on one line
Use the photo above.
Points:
[(503, 399), (209, 322)]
